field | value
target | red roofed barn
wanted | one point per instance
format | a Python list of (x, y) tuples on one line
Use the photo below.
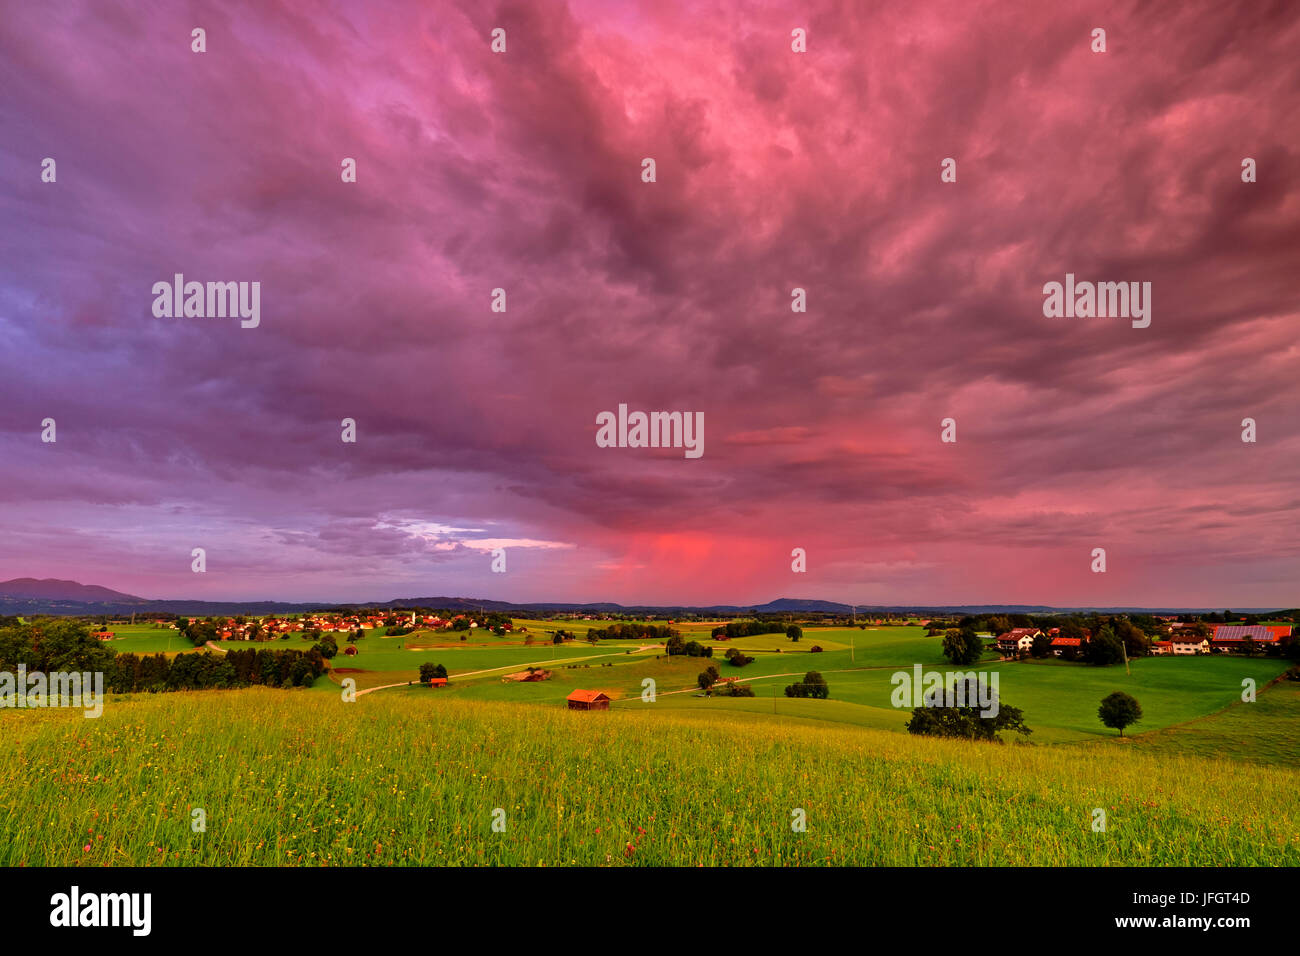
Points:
[(588, 700)]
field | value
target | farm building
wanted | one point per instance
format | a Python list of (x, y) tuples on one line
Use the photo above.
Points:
[(1189, 645), (437, 682), (1229, 637), (1017, 639), (104, 635), (1059, 644), (588, 700)]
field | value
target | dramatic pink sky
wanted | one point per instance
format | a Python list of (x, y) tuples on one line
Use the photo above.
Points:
[(775, 170)]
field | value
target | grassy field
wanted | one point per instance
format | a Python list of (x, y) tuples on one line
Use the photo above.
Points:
[(292, 777), (376, 665), (1267, 731), (410, 775), (1059, 699), (147, 639)]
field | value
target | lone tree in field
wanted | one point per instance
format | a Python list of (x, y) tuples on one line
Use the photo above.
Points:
[(1119, 710), (794, 632), (962, 646)]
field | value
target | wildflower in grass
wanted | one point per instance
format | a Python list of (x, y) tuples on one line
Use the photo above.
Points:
[(86, 848)]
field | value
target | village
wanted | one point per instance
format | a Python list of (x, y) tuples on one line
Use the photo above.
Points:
[(1180, 637), (245, 628), (1183, 638)]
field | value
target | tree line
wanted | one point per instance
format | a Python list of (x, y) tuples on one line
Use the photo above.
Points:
[(749, 628), (51, 646), (632, 631)]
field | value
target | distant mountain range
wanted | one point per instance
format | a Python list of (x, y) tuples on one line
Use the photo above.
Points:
[(51, 596), (52, 589)]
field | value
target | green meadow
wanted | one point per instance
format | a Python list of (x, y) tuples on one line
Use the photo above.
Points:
[(407, 774), (377, 664), (1265, 732), (296, 778), (147, 639), (1059, 699)]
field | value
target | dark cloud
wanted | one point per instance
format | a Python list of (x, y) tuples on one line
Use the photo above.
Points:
[(775, 170)]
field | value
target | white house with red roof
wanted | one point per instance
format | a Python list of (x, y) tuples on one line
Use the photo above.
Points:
[(1018, 639), (1189, 644)]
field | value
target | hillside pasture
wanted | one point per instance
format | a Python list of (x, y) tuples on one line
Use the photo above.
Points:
[(295, 778)]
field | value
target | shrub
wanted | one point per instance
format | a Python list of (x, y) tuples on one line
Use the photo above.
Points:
[(737, 658)]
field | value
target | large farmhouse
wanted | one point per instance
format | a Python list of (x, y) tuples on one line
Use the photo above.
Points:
[(1180, 645), (1017, 639), (1230, 638)]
